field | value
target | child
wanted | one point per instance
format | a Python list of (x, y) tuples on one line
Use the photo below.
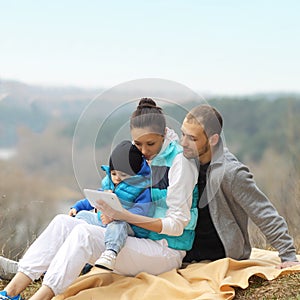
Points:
[(128, 176)]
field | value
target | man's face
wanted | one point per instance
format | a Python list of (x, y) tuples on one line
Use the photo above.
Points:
[(194, 141)]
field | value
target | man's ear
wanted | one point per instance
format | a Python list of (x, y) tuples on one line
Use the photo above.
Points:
[(214, 139)]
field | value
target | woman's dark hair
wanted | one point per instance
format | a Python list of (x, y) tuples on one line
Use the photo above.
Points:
[(147, 114)]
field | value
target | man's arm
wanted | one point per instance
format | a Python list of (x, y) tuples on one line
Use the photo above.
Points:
[(259, 208)]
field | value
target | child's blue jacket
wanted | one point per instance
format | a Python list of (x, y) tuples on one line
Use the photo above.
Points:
[(134, 194)]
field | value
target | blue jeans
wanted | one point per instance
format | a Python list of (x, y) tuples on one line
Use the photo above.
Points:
[(116, 232)]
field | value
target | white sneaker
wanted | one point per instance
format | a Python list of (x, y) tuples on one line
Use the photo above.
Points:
[(8, 268), (107, 260)]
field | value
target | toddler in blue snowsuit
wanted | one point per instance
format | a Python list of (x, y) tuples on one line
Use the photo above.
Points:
[(128, 176)]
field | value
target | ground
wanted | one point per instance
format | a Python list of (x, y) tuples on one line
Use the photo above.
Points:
[(284, 288), (28, 292)]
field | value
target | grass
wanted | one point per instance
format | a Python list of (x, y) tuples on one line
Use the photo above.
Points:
[(286, 287)]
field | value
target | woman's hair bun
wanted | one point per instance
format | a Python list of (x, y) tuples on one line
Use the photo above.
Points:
[(147, 103), (147, 114)]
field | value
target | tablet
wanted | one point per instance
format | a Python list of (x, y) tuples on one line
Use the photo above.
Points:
[(110, 198)]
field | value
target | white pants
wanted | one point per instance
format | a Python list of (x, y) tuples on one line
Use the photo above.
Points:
[(67, 244)]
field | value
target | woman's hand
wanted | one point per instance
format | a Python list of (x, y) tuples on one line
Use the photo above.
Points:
[(111, 213), (153, 224)]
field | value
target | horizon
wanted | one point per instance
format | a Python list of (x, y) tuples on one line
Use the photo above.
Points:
[(101, 89)]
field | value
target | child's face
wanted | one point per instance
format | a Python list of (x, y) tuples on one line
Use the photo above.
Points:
[(118, 176)]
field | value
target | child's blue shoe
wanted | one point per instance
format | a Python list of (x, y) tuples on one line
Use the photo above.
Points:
[(3, 296)]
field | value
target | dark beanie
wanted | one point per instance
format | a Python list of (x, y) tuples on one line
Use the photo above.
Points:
[(127, 158)]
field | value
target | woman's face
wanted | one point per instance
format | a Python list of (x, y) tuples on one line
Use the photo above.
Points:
[(147, 141)]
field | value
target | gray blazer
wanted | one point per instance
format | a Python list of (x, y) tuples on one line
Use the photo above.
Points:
[(233, 197)]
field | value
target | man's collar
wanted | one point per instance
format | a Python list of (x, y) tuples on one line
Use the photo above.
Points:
[(218, 153)]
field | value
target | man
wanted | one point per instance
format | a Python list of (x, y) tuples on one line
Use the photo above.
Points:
[(228, 197)]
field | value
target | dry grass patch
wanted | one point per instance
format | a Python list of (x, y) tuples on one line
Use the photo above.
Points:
[(30, 290), (284, 287)]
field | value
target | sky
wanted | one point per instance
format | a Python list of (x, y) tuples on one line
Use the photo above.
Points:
[(218, 47)]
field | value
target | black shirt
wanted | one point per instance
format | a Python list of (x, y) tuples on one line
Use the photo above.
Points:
[(207, 244)]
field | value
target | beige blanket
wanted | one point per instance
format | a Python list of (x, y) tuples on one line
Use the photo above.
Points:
[(214, 280)]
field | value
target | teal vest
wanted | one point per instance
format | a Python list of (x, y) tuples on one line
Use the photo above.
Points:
[(160, 166)]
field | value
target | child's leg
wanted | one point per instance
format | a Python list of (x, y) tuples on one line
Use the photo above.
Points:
[(116, 234), (115, 237), (90, 217)]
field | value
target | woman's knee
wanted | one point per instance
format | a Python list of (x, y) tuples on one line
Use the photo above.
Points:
[(87, 234), (63, 222), (60, 219), (83, 231)]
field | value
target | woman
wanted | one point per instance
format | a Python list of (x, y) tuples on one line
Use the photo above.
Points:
[(67, 244)]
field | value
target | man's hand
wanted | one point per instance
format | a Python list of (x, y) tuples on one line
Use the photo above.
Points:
[(106, 219), (287, 264)]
